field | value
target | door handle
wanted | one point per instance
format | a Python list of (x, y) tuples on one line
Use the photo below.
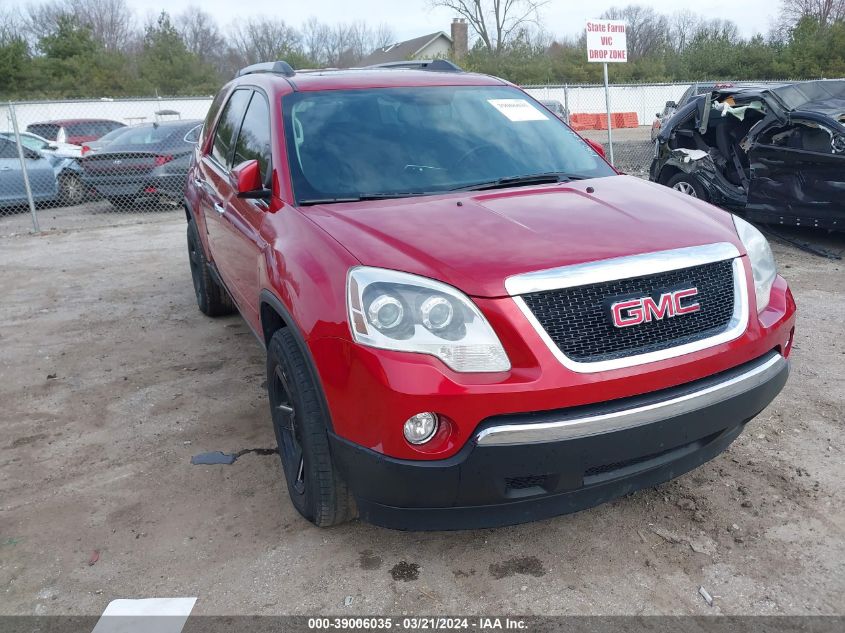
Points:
[(5, 169), (219, 208)]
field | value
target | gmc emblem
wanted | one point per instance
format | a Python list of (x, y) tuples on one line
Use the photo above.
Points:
[(644, 310)]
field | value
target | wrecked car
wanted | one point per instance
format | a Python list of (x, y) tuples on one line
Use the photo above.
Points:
[(671, 107), (774, 153)]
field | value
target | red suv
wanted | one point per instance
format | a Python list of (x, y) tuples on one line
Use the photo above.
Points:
[(470, 318)]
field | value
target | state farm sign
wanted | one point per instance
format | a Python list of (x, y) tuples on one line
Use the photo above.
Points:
[(606, 41)]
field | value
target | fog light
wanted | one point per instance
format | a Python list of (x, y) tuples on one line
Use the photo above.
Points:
[(420, 428)]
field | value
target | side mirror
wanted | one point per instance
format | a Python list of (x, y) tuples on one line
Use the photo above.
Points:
[(596, 146), (247, 177), (658, 114), (671, 104)]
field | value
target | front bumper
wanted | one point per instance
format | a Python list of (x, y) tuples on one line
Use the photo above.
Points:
[(524, 467)]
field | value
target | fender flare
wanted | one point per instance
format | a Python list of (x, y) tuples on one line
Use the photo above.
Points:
[(189, 210), (268, 298)]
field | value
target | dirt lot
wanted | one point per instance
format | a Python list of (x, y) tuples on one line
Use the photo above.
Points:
[(110, 380)]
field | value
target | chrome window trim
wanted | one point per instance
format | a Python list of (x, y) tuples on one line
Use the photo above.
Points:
[(513, 434), (629, 267)]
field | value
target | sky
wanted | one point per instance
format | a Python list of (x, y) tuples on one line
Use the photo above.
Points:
[(411, 18)]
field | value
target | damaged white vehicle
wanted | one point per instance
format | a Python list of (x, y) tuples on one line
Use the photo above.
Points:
[(775, 153)]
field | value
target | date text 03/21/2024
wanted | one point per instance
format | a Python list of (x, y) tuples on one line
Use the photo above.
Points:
[(419, 623)]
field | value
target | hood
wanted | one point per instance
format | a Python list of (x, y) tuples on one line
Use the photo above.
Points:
[(475, 241)]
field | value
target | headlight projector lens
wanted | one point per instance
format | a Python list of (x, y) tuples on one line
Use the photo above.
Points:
[(385, 312), (436, 313)]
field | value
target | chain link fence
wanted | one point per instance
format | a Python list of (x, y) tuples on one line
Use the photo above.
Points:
[(634, 108), (75, 164), (88, 163)]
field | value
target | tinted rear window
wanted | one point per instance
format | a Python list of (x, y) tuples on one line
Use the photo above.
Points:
[(141, 136), (92, 128), (114, 134), (46, 130)]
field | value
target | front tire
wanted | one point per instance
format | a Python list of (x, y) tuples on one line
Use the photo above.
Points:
[(71, 189), (316, 489), (688, 185), (212, 300)]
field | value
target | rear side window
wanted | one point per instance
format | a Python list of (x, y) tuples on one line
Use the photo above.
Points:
[(82, 129), (33, 143), (45, 130), (7, 149), (229, 123), (254, 138), (193, 134)]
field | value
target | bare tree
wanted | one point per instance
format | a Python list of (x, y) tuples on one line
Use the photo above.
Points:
[(261, 39), (646, 29), (200, 33), (11, 26), (717, 29), (825, 12), (315, 36), (682, 26), (111, 22), (342, 44), (495, 22), (382, 36), (361, 40)]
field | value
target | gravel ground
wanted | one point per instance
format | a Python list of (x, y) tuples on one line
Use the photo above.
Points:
[(110, 380)]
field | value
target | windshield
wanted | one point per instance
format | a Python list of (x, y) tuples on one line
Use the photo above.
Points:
[(350, 144)]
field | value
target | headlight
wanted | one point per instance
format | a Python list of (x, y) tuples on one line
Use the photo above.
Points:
[(398, 311), (762, 261)]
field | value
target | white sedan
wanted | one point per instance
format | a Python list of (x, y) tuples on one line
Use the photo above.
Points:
[(41, 144)]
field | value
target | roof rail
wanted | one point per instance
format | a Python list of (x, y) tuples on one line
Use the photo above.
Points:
[(279, 68), (438, 65)]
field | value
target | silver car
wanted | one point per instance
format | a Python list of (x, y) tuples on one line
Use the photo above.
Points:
[(51, 178)]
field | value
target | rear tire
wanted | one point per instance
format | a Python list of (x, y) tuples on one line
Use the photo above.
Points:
[(689, 185), (316, 489), (212, 299)]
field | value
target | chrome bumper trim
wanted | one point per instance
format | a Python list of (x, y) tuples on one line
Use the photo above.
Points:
[(566, 429)]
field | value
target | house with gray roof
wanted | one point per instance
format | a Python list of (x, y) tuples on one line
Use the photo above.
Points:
[(431, 46)]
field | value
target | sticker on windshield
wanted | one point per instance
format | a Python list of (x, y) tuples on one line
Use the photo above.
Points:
[(517, 109)]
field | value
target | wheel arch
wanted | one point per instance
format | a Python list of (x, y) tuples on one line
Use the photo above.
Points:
[(274, 316), (667, 172), (189, 210)]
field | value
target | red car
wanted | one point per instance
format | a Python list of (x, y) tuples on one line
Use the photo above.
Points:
[(470, 318), (74, 131)]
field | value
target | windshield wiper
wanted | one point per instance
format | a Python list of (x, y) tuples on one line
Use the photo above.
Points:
[(518, 181), (362, 197)]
